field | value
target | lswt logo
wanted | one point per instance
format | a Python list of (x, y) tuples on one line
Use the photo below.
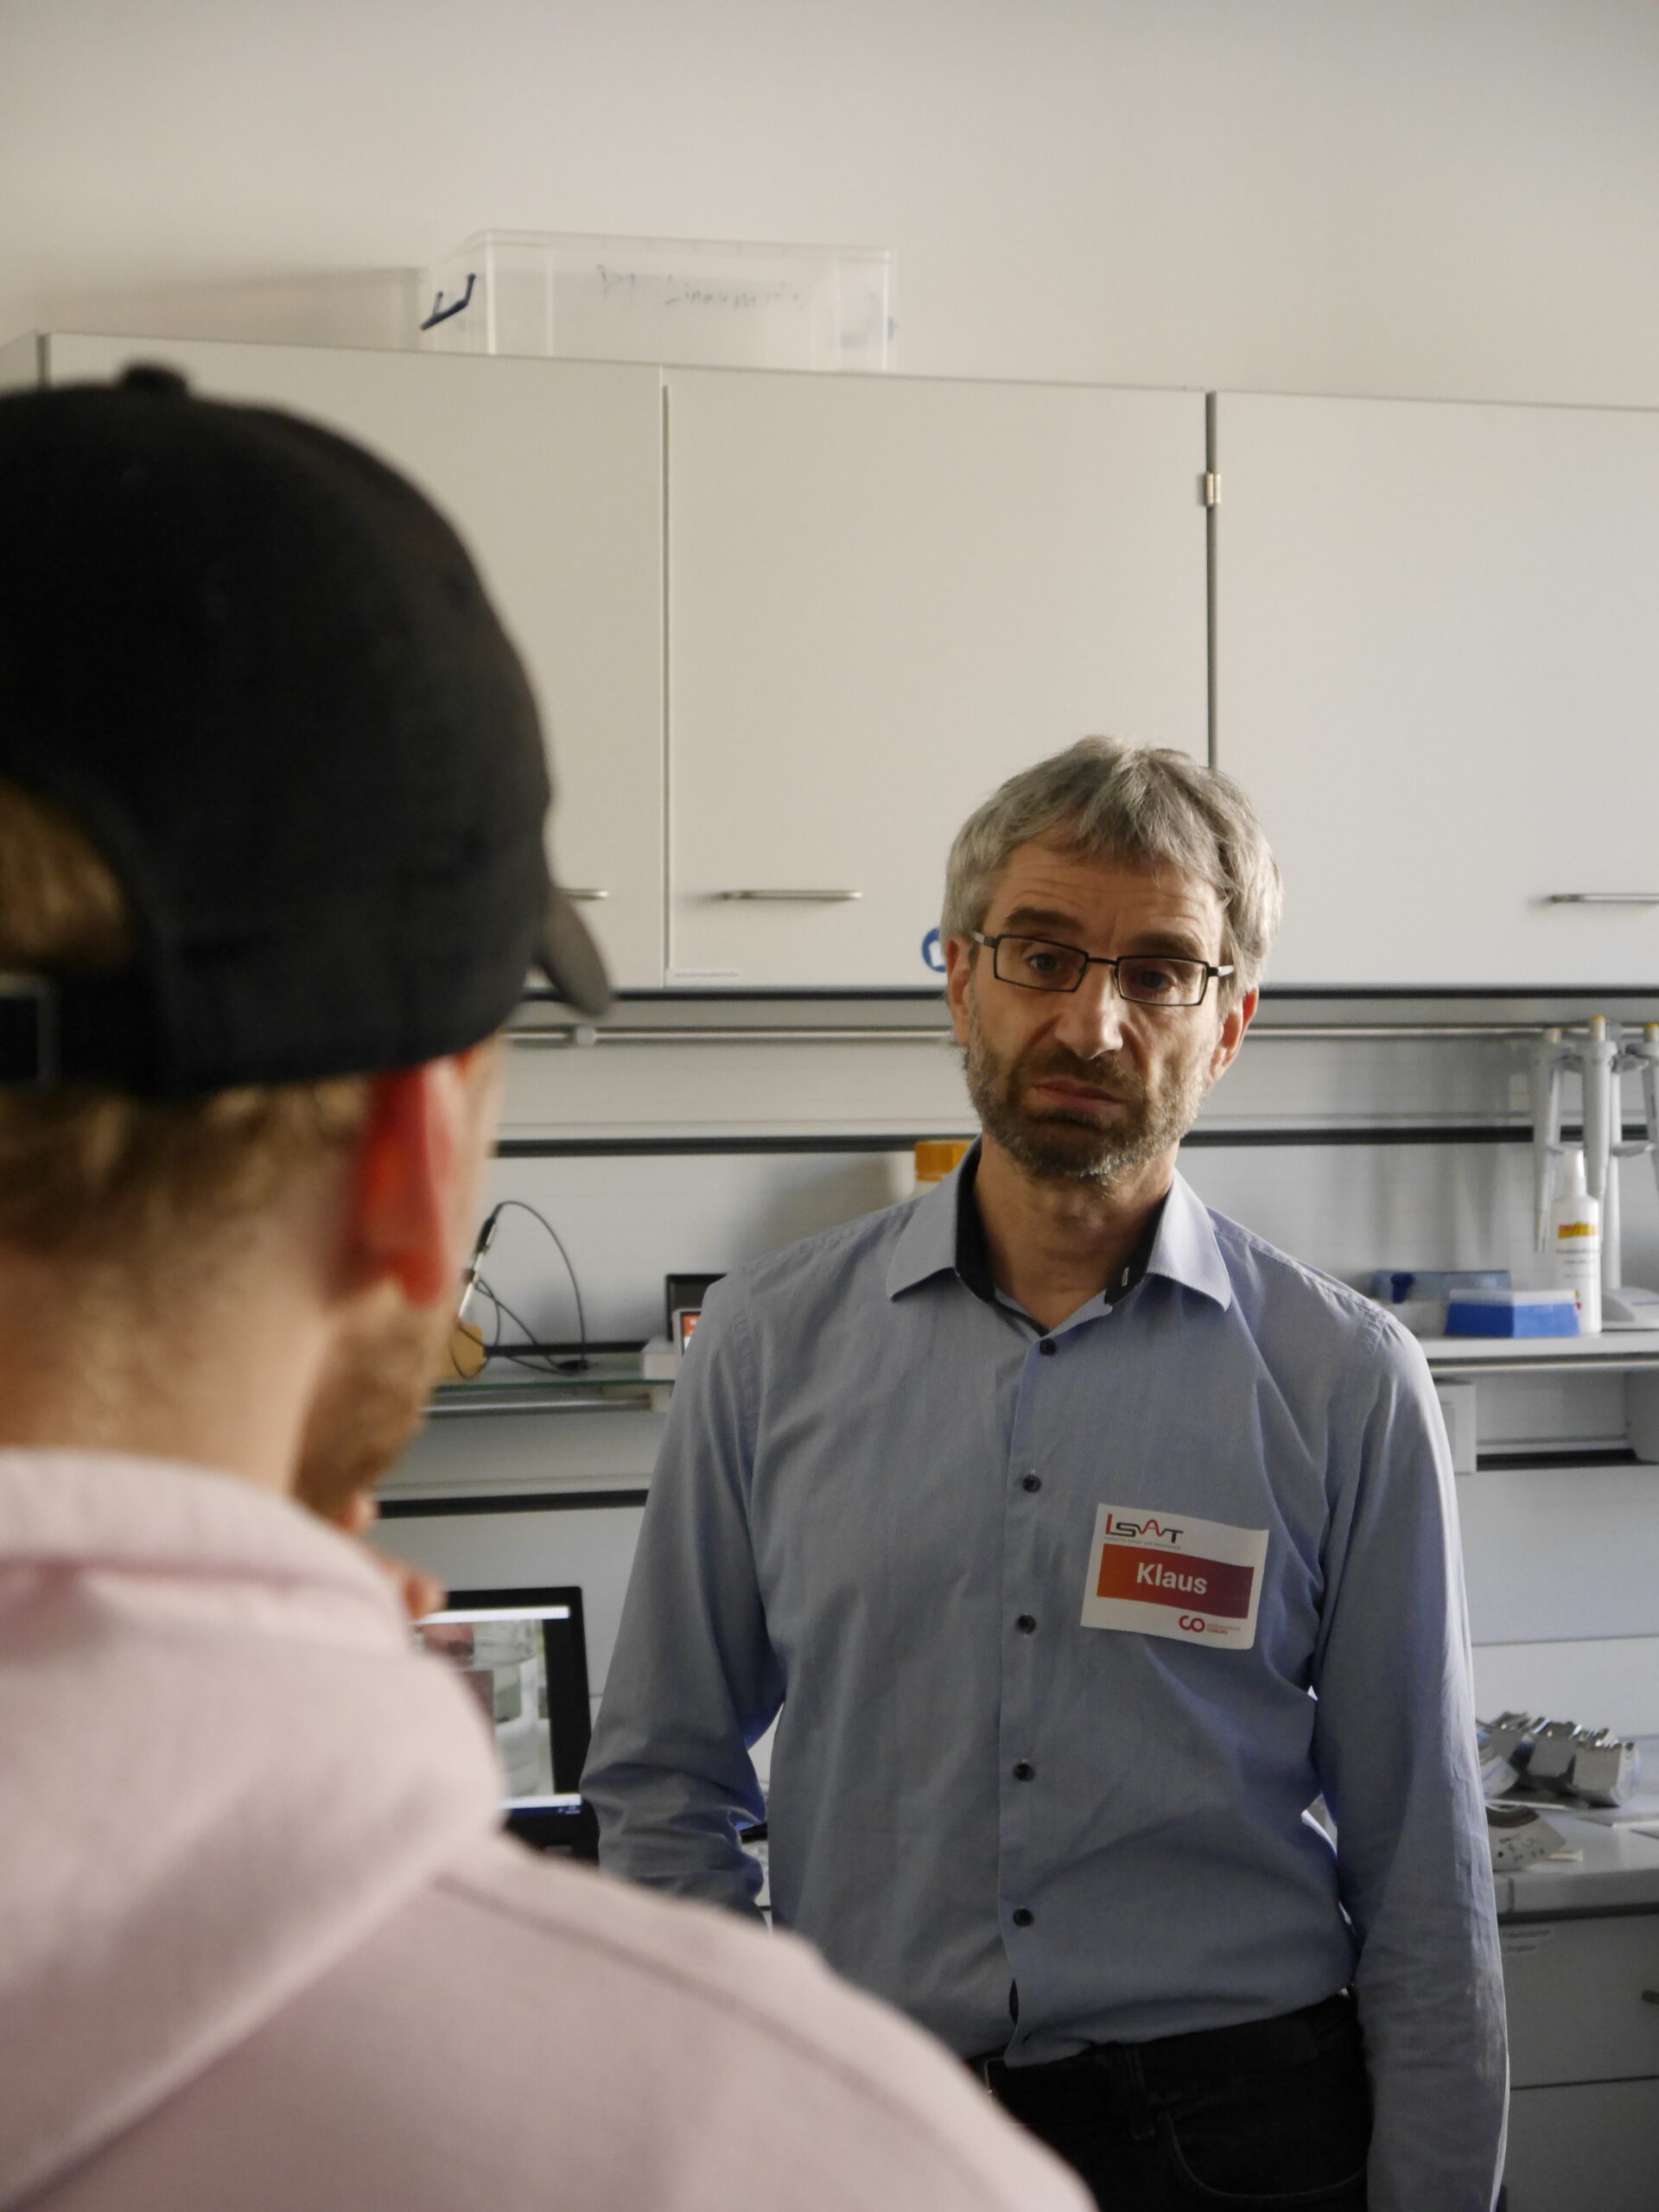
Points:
[(1153, 1529)]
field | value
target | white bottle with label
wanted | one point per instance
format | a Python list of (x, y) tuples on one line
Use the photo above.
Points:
[(1574, 1244)]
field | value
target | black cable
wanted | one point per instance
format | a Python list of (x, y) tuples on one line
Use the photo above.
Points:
[(484, 1290), (581, 1362), (540, 1364)]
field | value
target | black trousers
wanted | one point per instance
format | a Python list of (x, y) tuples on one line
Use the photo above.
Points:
[(1275, 2115)]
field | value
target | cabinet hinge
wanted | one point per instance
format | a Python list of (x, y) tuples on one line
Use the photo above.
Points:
[(1213, 488)]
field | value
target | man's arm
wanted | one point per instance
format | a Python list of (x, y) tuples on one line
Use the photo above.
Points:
[(693, 1681), (1395, 1747)]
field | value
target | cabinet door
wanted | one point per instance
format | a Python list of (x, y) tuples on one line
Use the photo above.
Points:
[(1591, 2148), (1580, 1998), (884, 595), (552, 473), (1437, 672)]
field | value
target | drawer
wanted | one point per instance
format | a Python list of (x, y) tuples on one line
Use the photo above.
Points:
[(1594, 2145), (1576, 1993)]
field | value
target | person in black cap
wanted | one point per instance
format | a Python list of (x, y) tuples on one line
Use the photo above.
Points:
[(271, 879)]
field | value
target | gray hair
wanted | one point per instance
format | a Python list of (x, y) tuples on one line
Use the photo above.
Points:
[(1147, 805)]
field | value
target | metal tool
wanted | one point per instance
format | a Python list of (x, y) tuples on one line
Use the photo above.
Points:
[(1524, 1753), (1606, 1767)]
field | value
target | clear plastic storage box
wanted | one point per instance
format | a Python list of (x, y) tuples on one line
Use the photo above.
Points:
[(679, 300)]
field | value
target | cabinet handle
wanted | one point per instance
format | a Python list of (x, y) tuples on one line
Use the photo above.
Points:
[(815, 897), (1650, 1997), (587, 894), (1602, 898)]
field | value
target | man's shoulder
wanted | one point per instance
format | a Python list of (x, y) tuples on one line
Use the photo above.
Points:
[(828, 1265), (522, 2033), (1276, 1290), (672, 2038)]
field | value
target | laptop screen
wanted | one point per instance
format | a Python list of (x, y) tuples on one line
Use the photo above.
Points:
[(523, 1655)]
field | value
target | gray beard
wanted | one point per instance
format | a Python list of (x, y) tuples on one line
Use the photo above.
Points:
[(1075, 1148)]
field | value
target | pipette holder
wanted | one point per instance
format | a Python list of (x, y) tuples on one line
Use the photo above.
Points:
[(1601, 1055)]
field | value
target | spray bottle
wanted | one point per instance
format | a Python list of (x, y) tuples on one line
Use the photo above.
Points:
[(1575, 1244)]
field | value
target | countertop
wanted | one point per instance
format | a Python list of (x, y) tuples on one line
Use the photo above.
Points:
[(1619, 1870)]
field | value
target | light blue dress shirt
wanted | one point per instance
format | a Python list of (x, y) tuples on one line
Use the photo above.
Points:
[(873, 1517)]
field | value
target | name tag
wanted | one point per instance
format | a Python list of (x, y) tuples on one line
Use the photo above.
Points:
[(1167, 1574)]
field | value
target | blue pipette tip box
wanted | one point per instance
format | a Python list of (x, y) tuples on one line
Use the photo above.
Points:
[(1512, 1314)]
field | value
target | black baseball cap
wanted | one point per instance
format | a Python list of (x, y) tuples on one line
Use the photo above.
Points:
[(257, 668)]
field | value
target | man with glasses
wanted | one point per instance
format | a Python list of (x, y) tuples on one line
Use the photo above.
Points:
[(1079, 1541)]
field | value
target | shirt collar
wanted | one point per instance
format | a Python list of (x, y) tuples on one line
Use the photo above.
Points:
[(932, 1242), (927, 1243), (1186, 1250)]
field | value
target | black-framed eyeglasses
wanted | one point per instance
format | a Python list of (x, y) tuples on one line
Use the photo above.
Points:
[(1143, 978)]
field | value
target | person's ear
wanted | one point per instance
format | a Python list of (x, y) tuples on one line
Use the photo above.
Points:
[(414, 1165), (958, 981), (1234, 1023)]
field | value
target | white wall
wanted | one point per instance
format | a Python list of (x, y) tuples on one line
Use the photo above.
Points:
[(1426, 197)]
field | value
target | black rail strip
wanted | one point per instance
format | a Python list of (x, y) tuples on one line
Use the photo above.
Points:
[(1272, 993), (1381, 1133), (1589, 1456), (550, 1501)]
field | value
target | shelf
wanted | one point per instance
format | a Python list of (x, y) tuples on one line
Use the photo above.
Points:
[(611, 1383), (1615, 1352)]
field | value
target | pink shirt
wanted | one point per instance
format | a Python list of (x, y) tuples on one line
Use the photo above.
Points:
[(262, 1946)]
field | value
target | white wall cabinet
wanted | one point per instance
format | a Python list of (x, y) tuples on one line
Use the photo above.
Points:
[(1438, 673), (552, 472), (884, 595), (1437, 664)]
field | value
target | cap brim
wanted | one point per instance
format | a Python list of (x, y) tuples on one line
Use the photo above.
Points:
[(569, 958)]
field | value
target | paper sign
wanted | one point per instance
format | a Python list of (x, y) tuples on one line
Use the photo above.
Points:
[(1163, 1573)]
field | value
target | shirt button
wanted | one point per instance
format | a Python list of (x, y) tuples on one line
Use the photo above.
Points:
[(1045, 1345), (1022, 1916), (1025, 1771), (1030, 1482), (1027, 1624)]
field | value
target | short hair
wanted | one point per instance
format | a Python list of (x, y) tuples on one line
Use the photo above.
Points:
[(95, 1172), (1144, 805)]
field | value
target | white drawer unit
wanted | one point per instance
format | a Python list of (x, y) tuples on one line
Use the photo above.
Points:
[(1583, 1998), (1589, 2148)]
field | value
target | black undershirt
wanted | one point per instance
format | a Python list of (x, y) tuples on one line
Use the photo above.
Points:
[(974, 1252)]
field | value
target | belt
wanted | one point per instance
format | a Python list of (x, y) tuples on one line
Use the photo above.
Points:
[(1168, 2063)]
